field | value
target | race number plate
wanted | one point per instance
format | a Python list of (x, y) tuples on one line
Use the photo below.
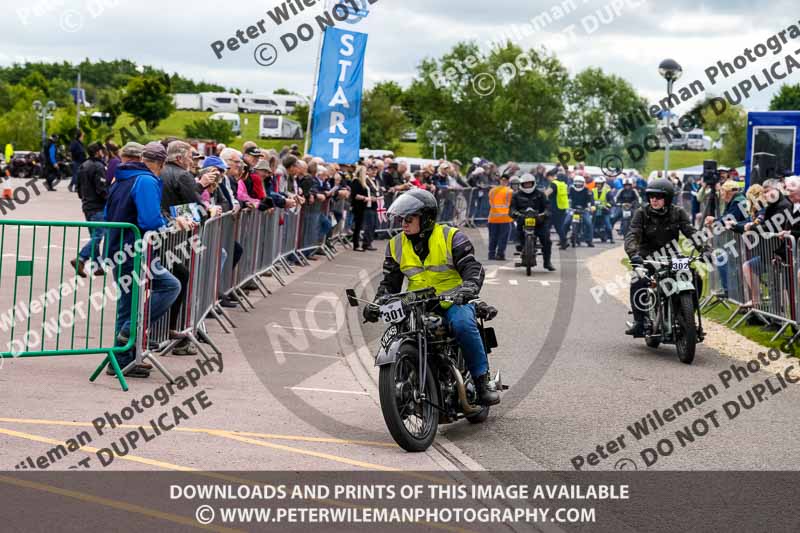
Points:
[(392, 312), (576, 217), (530, 221), (626, 214), (680, 264)]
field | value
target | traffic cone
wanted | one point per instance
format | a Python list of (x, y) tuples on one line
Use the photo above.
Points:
[(7, 192)]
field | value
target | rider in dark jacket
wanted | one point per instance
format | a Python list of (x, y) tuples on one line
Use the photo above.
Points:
[(530, 196), (655, 228)]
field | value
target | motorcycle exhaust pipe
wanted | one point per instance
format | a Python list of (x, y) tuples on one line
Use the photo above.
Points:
[(462, 393)]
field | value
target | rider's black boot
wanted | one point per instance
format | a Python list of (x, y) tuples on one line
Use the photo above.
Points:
[(636, 329), (487, 394), (549, 266)]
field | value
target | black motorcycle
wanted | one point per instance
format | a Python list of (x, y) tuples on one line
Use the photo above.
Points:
[(577, 231), (626, 215), (423, 378), (673, 310), (528, 219)]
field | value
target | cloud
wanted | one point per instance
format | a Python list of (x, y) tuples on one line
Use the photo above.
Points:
[(176, 36)]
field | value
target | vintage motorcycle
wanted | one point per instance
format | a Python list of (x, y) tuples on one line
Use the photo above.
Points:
[(626, 216), (423, 379), (673, 310), (528, 218), (577, 231)]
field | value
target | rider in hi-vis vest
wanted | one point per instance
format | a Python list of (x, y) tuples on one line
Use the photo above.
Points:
[(441, 257)]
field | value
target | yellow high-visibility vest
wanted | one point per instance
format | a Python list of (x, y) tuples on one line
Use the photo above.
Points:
[(437, 271), (562, 195)]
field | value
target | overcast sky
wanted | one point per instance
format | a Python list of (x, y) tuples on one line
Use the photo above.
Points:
[(176, 36)]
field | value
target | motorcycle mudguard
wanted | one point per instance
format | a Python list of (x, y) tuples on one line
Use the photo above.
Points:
[(489, 339), (387, 356), (684, 286)]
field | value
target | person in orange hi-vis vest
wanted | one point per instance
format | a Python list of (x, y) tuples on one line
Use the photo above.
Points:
[(499, 219)]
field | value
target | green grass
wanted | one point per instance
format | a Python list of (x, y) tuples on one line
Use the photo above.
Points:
[(408, 149), (677, 159), (175, 123), (755, 333)]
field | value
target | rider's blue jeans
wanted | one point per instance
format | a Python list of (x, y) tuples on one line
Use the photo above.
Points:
[(465, 329)]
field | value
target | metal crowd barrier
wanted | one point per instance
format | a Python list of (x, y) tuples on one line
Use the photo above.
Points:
[(759, 276), (53, 311)]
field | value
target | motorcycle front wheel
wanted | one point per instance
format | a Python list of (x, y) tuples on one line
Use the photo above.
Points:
[(529, 253), (412, 421), (686, 336)]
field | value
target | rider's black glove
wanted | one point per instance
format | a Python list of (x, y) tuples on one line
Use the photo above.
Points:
[(372, 313), (637, 260), (488, 311), (464, 294)]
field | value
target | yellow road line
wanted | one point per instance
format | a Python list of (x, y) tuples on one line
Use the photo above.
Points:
[(115, 504), (91, 449), (299, 438), (239, 436), (321, 455), (213, 475)]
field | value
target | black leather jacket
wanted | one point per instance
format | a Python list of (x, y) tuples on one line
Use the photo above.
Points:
[(537, 200), (650, 232)]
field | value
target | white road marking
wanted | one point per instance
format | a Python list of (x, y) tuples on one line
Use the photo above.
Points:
[(513, 282), (328, 331), (359, 393), (309, 354), (307, 310)]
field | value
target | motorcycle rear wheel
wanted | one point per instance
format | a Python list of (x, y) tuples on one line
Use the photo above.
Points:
[(397, 384)]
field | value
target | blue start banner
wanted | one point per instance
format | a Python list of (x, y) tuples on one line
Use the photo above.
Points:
[(336, 121)]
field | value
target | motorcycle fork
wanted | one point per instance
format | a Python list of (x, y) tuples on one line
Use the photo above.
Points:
[(422, 350)]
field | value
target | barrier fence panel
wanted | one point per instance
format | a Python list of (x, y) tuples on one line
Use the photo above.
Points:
[(207, 275), (291, 236), (269, 244), (47, 309), (715, 282), (737, 257), (228, 235), (770, 277)]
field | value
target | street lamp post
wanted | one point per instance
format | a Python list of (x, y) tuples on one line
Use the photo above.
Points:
[(670, 70), (43, 111)]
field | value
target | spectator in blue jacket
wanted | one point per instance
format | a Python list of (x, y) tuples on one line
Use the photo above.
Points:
[(135, 197)]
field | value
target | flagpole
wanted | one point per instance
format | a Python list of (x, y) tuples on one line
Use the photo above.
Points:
[(314, 93)]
